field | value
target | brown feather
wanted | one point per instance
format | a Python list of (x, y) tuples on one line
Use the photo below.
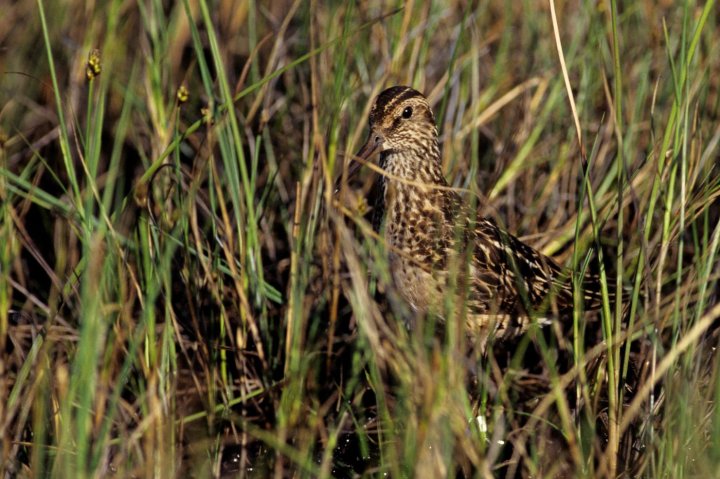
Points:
[(427, 228)]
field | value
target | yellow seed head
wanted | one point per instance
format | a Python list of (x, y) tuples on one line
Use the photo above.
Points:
[(94, 66), (182, 94)]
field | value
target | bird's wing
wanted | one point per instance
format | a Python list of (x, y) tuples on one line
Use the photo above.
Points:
[(523, 280)]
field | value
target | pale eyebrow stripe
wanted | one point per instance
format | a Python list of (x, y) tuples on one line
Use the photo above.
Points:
[(399, 98)]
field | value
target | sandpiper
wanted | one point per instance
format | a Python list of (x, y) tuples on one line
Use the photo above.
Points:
[(437, 246)]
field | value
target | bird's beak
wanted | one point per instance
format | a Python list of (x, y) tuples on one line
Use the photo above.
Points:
[(372, 145)]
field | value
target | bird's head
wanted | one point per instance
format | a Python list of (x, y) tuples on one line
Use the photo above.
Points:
[(401, 121), (402, 130)]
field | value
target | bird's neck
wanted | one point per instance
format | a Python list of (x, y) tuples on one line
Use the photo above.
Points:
[(419, 209), (411, 180), (416, 166)]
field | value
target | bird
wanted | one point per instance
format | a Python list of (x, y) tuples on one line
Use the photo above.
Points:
[(437, 245)]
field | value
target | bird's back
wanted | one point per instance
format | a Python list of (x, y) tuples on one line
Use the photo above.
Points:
[(506, 285)]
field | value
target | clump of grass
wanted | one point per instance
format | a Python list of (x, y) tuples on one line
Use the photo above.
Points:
[(183, 293)]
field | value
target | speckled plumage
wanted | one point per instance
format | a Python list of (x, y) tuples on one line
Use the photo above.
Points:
[(428, 230)]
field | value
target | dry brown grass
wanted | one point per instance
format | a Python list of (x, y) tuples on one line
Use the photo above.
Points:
[(182, 294)]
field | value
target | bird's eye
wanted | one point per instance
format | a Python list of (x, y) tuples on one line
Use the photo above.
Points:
[(407, 112)]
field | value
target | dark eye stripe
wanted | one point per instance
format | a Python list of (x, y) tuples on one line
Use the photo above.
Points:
[(389, 99), (396, 123)]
